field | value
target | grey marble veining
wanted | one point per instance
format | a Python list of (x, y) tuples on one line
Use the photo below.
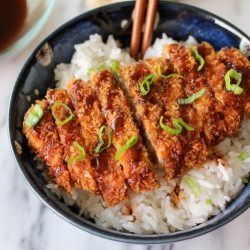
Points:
[(26, 224)]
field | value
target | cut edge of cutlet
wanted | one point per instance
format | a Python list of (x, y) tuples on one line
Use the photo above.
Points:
[(107, 170), (82, 173), (147, 143), (144, 176), (58, 172)]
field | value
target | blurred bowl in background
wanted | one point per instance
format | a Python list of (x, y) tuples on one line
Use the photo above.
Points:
[(38, 12)]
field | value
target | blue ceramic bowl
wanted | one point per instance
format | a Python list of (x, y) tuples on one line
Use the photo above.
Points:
[(178, 21)]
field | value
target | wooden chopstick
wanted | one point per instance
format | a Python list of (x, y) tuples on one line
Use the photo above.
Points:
[(149, 25), (139, 13)]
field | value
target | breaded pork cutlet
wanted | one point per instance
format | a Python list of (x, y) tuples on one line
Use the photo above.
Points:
[(109, 176), (230, 107), (149, 109), (232, 58), (44, 141), (174, 153), (169, 89), (75, 151), (88, 111), (208, 110), (131, 153)]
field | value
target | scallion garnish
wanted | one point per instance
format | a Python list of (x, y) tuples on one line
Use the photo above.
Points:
[(192, 98), (81, 154), (115, 68), (178, 125), (209, 201), (173, 75), (235, 88), (169, 75), (102, 66), (193, 185), (129, 143), (90, 71), (243, 156), (199, 58), (34, 116), (67, 119), (146, 83), (245, 180), (99, 148)]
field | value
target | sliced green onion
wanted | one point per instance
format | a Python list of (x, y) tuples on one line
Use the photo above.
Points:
[(61, 104), (129, 143), (99, 148), (209, 201), (180, 122), (90, 71), (243, 156), (34, 116), (167, 76), (173, 75), (193, 185), (245, 180), (146, 83), (102, 66), (192, 98), (178, 125), (199, 58), (115, 66), (81, 155), (235, 88)]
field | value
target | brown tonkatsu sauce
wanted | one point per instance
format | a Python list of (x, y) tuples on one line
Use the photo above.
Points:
[(12, 17)]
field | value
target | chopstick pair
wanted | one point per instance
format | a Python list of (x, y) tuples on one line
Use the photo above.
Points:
[(138, 29)]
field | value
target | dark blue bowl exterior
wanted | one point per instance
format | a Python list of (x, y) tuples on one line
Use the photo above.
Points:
[(178, 21)]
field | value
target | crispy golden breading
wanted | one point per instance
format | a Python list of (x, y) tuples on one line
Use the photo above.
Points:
[(229, 106), (174, 153), (207, 108), (44, 141), (136, 165), (190, 146), (233, 58), (148, 111), (81, 172), (88, 111), (109, 176)]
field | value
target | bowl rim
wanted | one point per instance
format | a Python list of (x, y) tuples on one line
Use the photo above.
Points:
[(21, 42), (82, 223)]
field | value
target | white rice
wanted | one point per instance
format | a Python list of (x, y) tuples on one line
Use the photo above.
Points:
[(218, 182)]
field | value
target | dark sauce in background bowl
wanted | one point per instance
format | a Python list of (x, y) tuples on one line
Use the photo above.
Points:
[(12, 18)]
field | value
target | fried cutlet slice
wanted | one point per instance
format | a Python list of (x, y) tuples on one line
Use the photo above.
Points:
[(168, 89), (173, 152), (81, 171), (149, 109), (232, 58), (44, 141), (109, 176), (136, 165), (229, 106), (88, 110), (209, 112)]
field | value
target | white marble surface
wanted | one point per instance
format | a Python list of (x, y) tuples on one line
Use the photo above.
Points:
[(26, 224)]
